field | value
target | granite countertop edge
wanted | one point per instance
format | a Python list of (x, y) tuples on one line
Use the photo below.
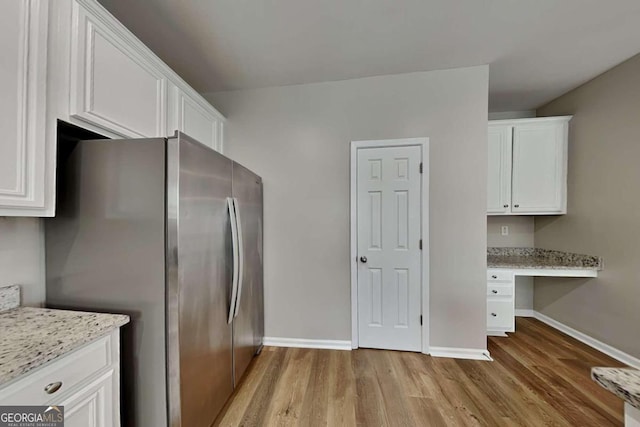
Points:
[(541, 259), (498, 265), (33, 337), (623, 382)]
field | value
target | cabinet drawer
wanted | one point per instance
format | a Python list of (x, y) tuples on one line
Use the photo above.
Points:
[(500, 314), (499, 290), (70, 370), (499, 276)]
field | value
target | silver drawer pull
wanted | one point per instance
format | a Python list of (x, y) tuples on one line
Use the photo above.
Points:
[(494, 291), (493, 314), (53, 387), (494, 277)]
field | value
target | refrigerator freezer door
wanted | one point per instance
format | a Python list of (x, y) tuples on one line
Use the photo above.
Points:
[(199, 274), (105, 251), (248, 329)]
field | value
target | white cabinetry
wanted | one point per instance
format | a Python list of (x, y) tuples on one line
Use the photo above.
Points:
[(527, 170), (499, 182), (23, 44), (114, 82), (71, 60), (85, 381), (500, 302), (196, 118), (92, 406)]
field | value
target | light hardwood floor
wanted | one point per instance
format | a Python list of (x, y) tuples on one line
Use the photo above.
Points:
[(539, 376)]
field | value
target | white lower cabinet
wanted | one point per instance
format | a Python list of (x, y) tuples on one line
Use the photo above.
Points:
[(91, 406), (500, 302), (631, 415), (85, 381)]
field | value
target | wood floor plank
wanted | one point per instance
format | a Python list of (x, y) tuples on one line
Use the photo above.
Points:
[(286, 401), (314, 409), (391, 386), (539, 377), (370, 408), (341, 410)]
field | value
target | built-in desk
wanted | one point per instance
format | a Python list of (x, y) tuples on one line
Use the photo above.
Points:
[(504, 264)]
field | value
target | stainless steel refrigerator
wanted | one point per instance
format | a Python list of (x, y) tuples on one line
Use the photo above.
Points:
[(170, 232)]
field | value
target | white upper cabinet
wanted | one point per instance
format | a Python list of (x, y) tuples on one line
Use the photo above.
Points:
[(114, 83), (71, 60), (499, 188), (534, 179), (23, 43), (196, 118), (540, 168)]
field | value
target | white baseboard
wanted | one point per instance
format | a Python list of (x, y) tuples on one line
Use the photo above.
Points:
[(592, 342), (460, 353), (306, 343), (525, 312)]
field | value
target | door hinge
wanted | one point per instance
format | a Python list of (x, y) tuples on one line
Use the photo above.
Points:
[(420, 167), (421, 319), (420, 244)]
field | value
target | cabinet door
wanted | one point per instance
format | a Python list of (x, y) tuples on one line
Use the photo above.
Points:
[(23, 40), (499, 170), (92, 406), (196, 118), (115, 83), (539, 168), (500, 315)]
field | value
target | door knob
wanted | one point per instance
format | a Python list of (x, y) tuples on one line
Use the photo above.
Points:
[(493, 314), (363, 259), (494, 291), (506, 206)]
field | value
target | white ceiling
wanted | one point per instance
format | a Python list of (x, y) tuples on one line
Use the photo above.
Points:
[(537, 49)]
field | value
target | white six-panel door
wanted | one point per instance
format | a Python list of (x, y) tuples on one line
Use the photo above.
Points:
[(388, 242)]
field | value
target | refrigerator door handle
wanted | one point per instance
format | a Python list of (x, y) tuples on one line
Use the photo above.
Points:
[(234, 239), (240, 255)]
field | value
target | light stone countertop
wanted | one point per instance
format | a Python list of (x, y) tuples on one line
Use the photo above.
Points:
[(623, 382), (31, 337), (536, 258)]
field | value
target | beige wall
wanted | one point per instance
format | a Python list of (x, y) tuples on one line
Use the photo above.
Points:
[(298, 139), (504, 115), (22, 257), (603, 212), (521, 230)]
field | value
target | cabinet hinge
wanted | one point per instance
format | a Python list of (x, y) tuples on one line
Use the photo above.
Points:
[(420, 244), (420, 167), (421, 319)]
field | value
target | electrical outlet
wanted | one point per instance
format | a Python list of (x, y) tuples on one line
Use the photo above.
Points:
[(505, 230)]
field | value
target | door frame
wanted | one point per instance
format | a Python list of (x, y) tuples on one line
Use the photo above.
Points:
[(424, 196)]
